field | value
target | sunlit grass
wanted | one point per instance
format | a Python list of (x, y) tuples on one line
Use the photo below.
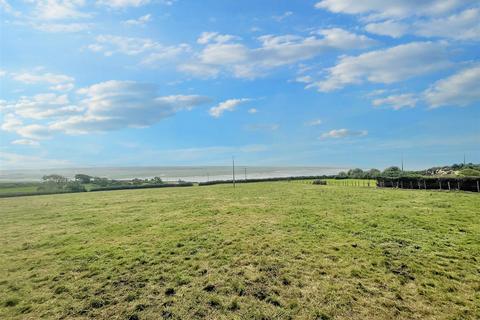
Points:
[(264, 251)]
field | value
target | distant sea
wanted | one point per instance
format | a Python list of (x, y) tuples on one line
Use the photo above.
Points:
[(193, 174)]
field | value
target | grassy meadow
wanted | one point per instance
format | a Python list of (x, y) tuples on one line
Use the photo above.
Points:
[(275, 250)]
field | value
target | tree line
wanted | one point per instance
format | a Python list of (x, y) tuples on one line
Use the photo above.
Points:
[(465, 170), (59, 183)]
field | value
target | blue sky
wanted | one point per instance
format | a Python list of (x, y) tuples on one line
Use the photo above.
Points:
[(165, 82)]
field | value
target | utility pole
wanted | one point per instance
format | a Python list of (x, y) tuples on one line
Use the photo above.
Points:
[(245, 173), (233, 171), (402, 162), (464, 162)]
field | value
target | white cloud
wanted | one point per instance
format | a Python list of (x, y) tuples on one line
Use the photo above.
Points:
[(283, 16), (26, 142), (460, 89), (53, 16), (163, 54), (462, 26), (380, 9), (252, 111), (35, 131), (386, 66), (58, 82), (43, 106), (397, 101), (140, 21), (228, 105), (59, 9), (109, 44), (154, 52), (390, 28), (106, 106), (208, 37), (314, 122), (120, 4), (275, 51), (10, 122), (304, 79), (115, 105), (344, 133), (199, 70), (62, 87), (36, 78)]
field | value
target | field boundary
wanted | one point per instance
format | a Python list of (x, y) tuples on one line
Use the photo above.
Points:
[(471, 184)]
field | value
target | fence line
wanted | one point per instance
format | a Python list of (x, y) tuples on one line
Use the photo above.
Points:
[(461, 184)]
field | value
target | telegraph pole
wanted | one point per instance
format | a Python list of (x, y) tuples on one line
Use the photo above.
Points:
[(233, 171), (245, 173), (464, 162), (402, 162)]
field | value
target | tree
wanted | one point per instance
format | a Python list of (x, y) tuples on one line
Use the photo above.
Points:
[(103, 182), (355, 173), (83, 178), (137, 181), (157, 180), (56, 178), (74, 186), (372, 174), (342, 175), (392, 172)]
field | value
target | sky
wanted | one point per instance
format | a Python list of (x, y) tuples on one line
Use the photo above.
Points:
[(341, 83)]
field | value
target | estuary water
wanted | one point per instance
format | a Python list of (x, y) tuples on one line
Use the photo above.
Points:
[(193, 173)]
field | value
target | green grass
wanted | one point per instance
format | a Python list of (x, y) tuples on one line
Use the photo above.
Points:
[(17, 188), (262, 251)]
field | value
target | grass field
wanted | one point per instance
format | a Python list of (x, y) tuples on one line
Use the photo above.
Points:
[(18, 189), (262, 251)]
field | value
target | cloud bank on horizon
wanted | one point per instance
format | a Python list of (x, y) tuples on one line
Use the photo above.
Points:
[(311, 82)]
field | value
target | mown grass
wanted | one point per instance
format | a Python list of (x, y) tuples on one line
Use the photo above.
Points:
[(262, 251)]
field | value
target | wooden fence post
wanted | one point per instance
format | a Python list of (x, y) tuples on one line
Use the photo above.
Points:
[(448, 185), (478, 187), (458, 185)]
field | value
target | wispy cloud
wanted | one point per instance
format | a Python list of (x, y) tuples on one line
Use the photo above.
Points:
[(225, 52), (228, 105), (344, 133), (283, 16), (314, 122), (140, 21), (386, 66), (396, 102), (152, 52), (460, 89)]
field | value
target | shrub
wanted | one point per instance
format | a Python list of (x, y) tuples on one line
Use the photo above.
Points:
[(74, 186), (469, 173)]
